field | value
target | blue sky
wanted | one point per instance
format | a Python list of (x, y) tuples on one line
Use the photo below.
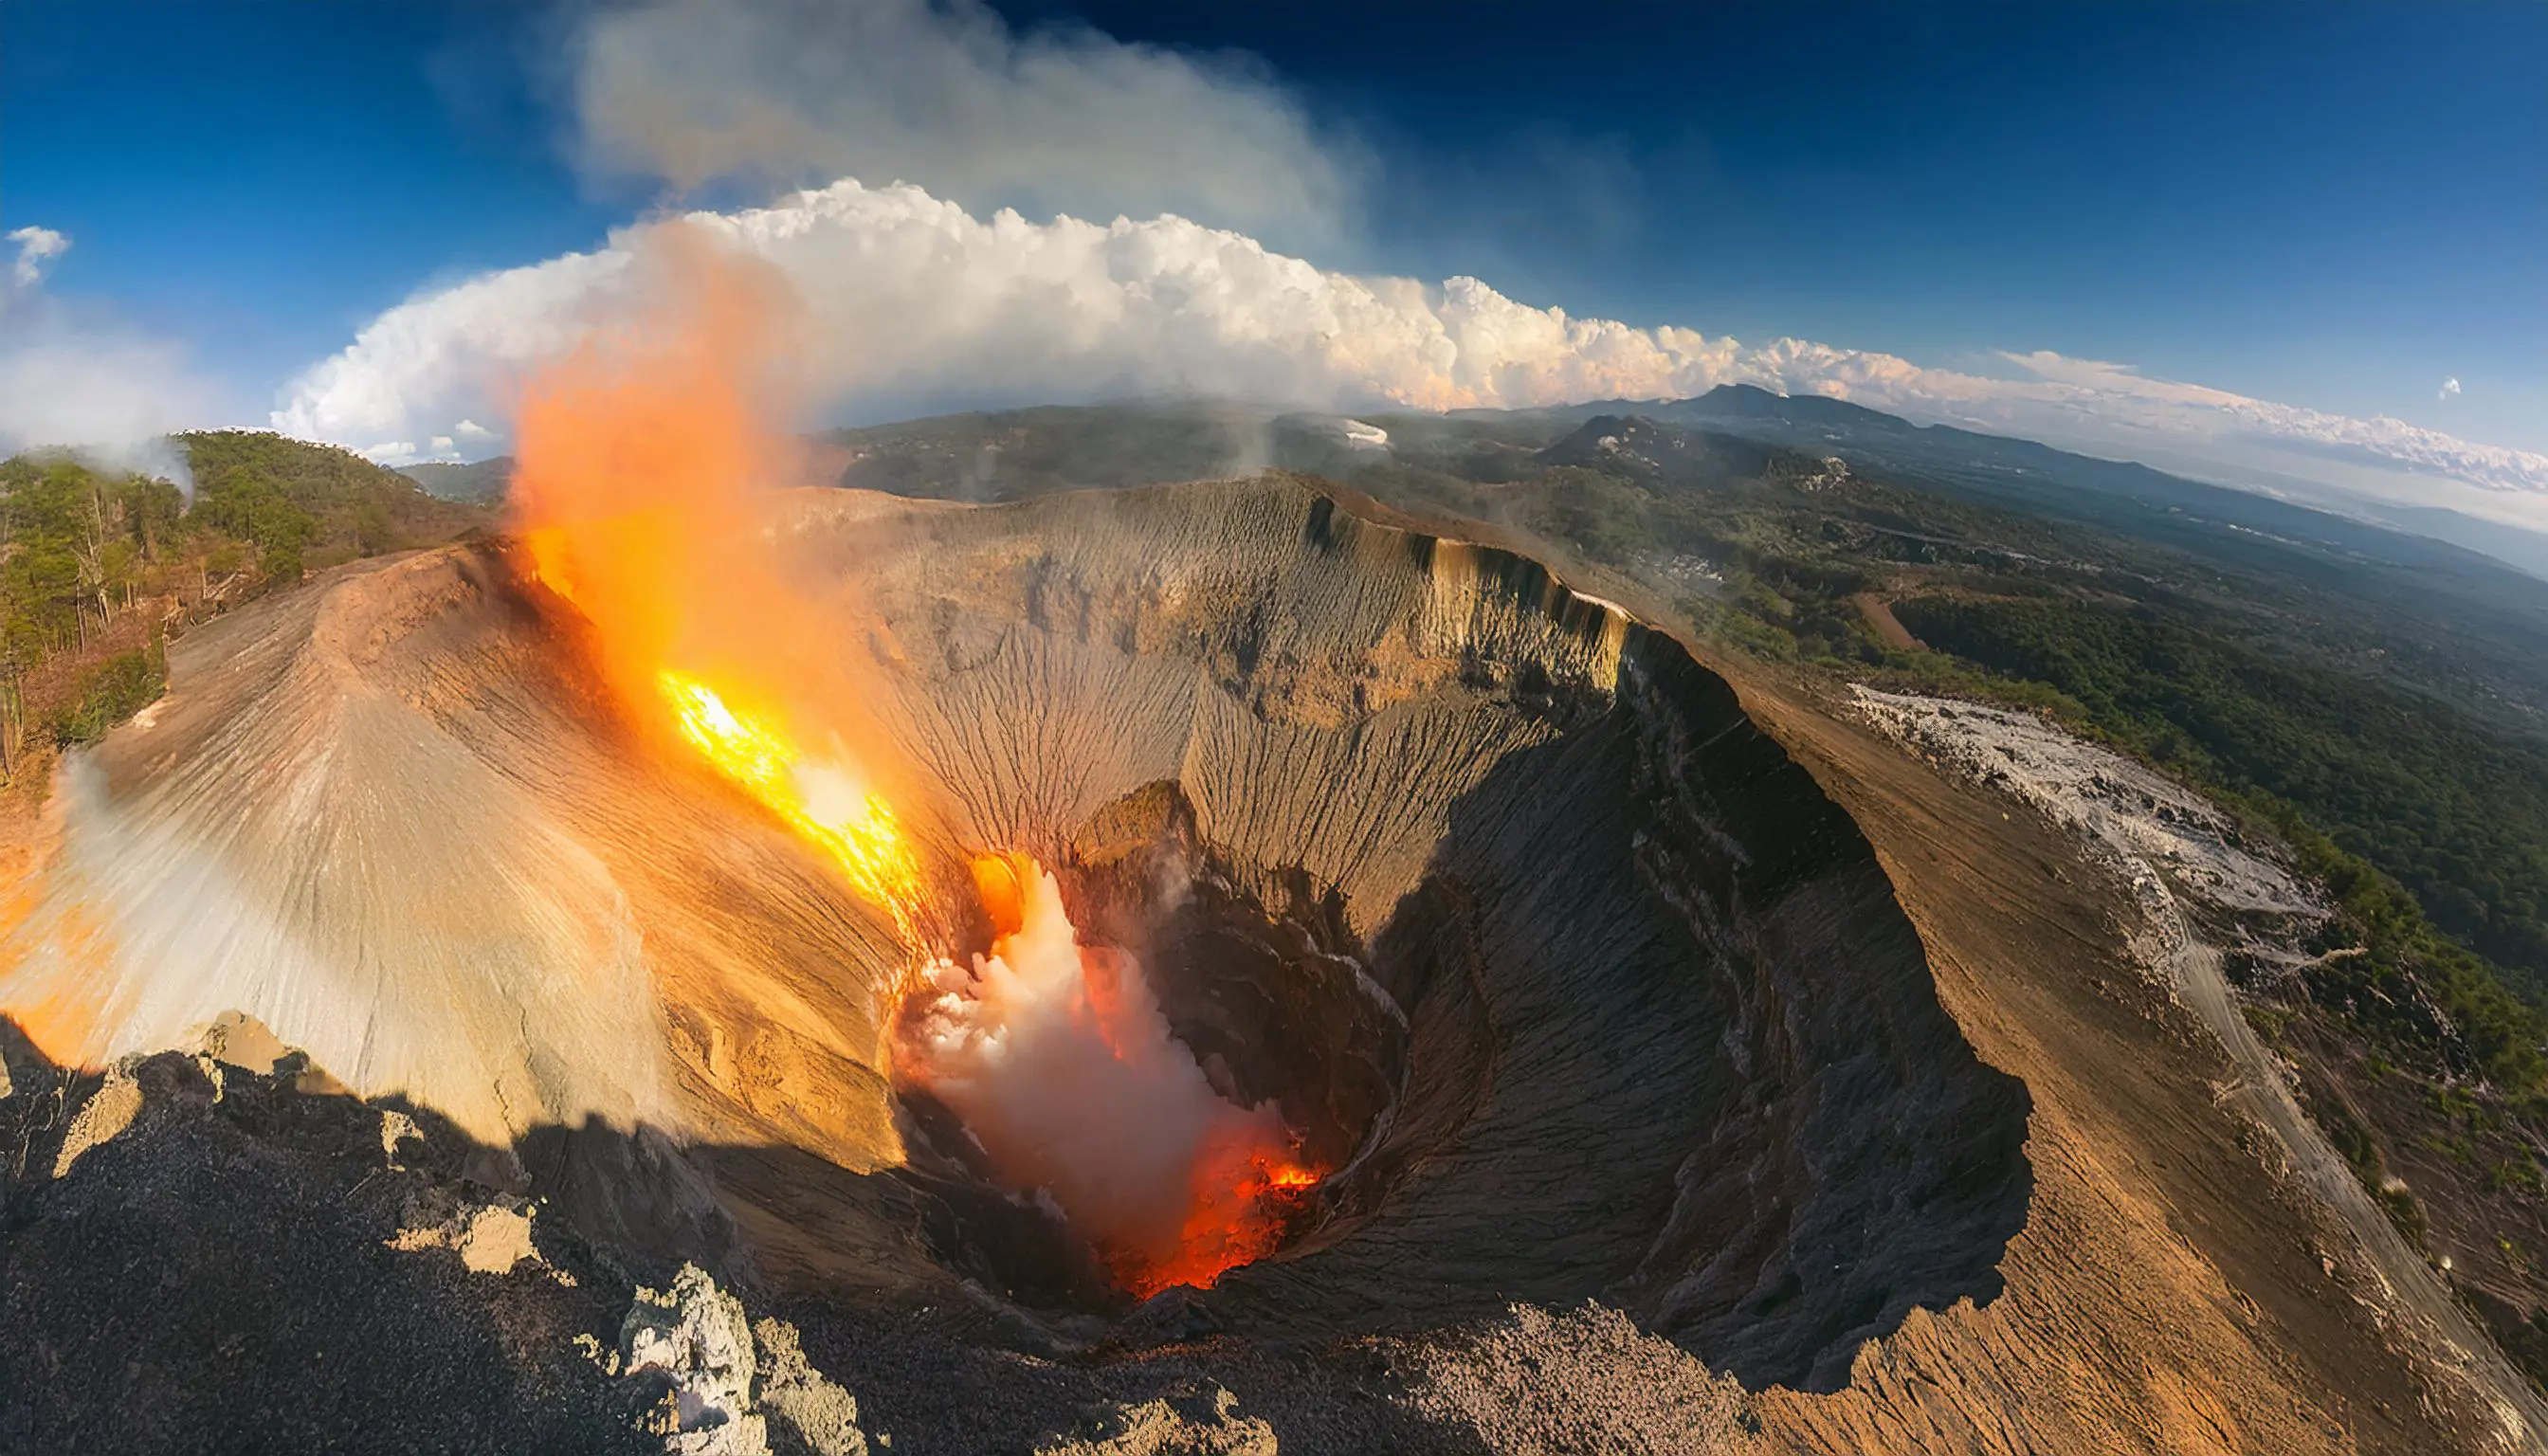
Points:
[(262, 178), (2330, 205)]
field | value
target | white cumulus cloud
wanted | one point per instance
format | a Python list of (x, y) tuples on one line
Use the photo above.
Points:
[(909, 297), (2449, 388), (909, 301), (37, 248), (944, 94), (2089, 393)]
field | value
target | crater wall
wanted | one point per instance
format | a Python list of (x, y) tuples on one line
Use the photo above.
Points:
[(1673, 1044), (1669, 1041)]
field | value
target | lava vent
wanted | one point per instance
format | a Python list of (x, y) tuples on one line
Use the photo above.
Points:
[(1533, 970)]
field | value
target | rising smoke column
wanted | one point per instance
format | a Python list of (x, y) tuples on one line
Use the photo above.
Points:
[(1060, 1062), (642, 451), (646, 456)]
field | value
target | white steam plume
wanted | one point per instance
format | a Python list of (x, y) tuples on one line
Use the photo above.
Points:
[(74, 380), (1061, 1065), (942, 92)]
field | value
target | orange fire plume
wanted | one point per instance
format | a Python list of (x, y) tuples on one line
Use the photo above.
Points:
[(821, 801), (641, 456)]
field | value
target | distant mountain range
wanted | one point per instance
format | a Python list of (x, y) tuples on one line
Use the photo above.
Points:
[(2046, 479), (1840, 422), (479, 482), (991, 454)]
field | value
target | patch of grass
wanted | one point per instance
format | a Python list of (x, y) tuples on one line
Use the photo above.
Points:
[(2404, 1212), (2350, 1138), (2510, 1174), (2266, 1020), (110, 693)]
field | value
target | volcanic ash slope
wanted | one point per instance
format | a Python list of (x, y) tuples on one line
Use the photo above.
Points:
[(1646, 1023)]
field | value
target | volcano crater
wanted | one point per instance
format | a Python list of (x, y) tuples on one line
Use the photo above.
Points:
[(1578, 987), (1570, 980)]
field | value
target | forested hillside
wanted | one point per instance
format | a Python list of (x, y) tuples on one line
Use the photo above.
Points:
[(480, 482), (2457, 812), (312, 507), (98, 567)]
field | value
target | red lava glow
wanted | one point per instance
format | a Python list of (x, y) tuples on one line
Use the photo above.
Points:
[(1245, 1201), (1059, 1061), (645, 456)]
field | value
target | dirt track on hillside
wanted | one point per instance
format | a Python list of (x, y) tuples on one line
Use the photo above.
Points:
[(1879, 613)]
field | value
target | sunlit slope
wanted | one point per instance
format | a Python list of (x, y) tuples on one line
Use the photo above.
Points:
[(1669, 1041), (384, 817)]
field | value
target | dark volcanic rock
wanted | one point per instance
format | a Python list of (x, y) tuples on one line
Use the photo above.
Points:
[(218, 1276)]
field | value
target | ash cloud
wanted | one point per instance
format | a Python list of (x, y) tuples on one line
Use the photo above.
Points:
[(946, 93)]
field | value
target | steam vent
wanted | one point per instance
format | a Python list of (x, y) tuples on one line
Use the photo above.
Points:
[(1550, 976)]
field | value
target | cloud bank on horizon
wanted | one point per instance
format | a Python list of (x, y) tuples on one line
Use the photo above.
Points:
[(911, 302), (940, 293)]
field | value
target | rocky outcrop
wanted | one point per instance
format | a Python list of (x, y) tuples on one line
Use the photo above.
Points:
[(734, 1388), (230, 1271)]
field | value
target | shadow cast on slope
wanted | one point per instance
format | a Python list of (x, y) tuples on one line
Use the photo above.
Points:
[(1675, 1047), (218, 1266)]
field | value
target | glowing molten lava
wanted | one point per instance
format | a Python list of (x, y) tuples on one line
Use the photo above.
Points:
[(640, 495), (821, 799), (1062, 1066), (1243, 1206)]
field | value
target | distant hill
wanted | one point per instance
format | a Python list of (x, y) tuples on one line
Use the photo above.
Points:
[(2062, 482), (310, 505), (2527, 550), (1635, 445), (481, 482), (1007, 454), (2045, 478)]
